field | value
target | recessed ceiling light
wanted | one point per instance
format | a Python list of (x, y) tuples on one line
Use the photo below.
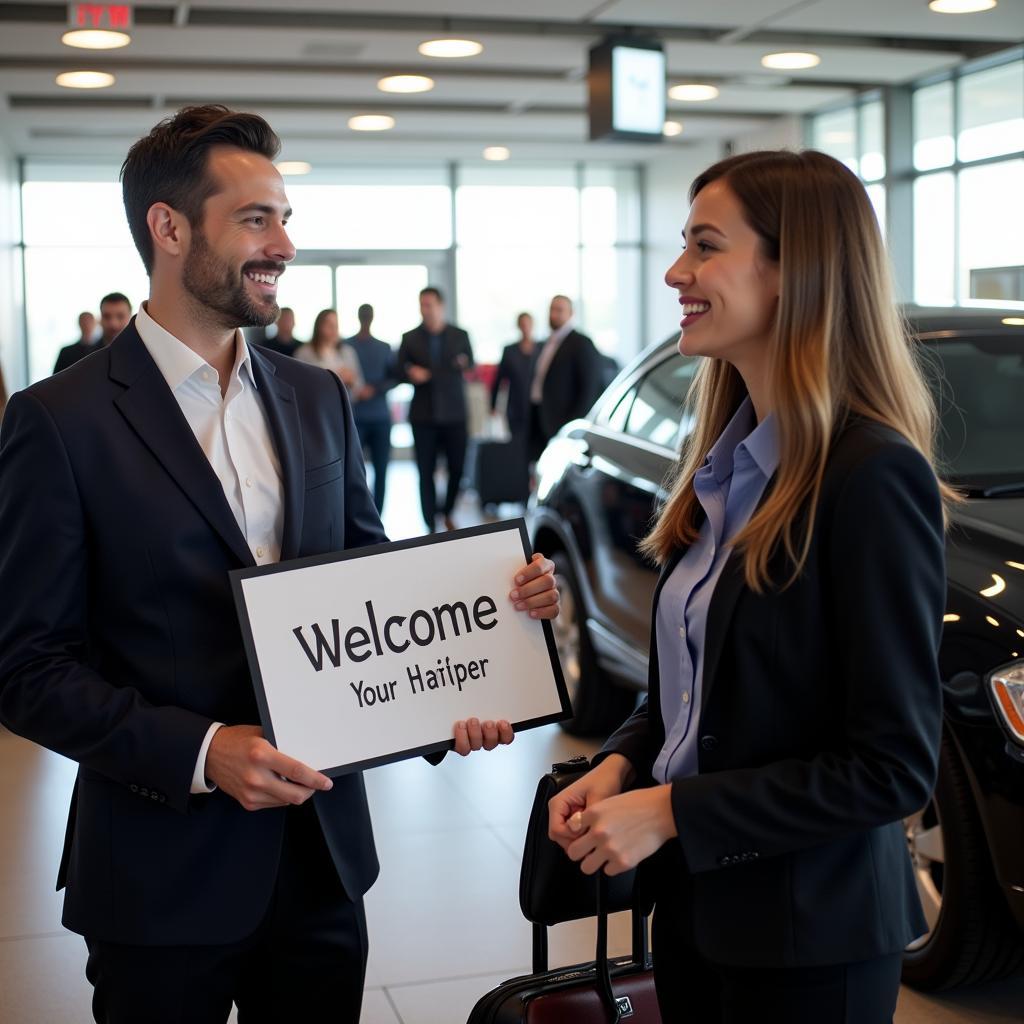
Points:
[(95, 38), (371, 122), (793, 61), (960, 6), (450, 48), (672, 128), (497, 153), (691, 92), (1013, 321), (294, 167), (406, 83), (85, 79)]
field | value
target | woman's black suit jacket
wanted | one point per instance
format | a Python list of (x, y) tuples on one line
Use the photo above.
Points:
[(819, 727)]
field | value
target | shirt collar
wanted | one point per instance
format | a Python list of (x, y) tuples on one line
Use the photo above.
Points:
[(759, 439), (176, 361), (556, 336)]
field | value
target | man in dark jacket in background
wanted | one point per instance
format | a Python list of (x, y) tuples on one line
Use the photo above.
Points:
[(433, 358)]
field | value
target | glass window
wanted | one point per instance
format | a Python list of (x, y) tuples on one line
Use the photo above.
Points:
[(522, 215), (981, 417), (496, 284), (370, 216), (933, 126), (991, 222), (616, 419), (835, 133), (60, 284), (610, 301), (610, 206), (872, 141), (75, 213), (934, 203), (657, 411), (992, 112), (876, 193), (306, 290), (392, 290)]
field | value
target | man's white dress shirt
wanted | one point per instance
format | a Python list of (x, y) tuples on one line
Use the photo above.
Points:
[(547, 354), (235, 436)]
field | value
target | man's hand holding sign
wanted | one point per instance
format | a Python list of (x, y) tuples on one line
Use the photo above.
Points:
[(371, 665)]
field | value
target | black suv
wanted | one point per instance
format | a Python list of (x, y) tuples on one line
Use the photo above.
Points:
[(599, 481)]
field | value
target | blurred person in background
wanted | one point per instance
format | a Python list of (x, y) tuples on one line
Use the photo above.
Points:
[(326, 350), (87, 342), (284, 340), (515, 371), (433, 358), (370, 404), (115, 312), (567, 377)]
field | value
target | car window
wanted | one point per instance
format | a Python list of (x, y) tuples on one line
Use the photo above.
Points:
[(657, 411), (978, 385), (616, 419)]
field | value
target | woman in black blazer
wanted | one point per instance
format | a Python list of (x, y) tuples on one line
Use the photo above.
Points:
[(794, 709)]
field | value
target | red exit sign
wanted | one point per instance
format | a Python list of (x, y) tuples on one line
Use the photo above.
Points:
[(110, 16)]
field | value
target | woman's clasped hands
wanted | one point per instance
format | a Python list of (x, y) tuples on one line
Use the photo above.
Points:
[(600, 826)]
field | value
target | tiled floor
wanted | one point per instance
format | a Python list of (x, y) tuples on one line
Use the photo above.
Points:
[(444, 919)]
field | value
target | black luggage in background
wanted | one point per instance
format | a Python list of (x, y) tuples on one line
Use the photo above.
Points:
[(502, 472), (551, 890)]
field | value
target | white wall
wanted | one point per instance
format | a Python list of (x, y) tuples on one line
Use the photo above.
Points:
[(667, 185), (12, 348)]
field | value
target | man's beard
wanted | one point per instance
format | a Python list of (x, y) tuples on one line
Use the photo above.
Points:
[(215, 286)]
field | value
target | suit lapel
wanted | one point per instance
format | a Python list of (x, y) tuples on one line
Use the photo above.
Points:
[(278, 399), (153, 413)]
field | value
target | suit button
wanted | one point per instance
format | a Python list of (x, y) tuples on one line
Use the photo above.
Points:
[(708, 742), (163, 799), (154, 796), (134, 788)]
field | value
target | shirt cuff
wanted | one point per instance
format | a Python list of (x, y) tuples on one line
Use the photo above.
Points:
[(199, 775)]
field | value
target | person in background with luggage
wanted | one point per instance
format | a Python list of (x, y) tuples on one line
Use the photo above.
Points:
[(794, 713), (515, 370), (370, 404)]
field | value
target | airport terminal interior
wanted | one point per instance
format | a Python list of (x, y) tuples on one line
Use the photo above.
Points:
[(508, 156)]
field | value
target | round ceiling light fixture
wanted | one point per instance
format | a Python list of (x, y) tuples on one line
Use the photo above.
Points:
[(95, 38), (790, 61), (961, 6), (371, 123), (85, 79), (497, 153), (406, 83), (293, 167), (450, 48), (672, 128), (693, 92), (1013, 321)]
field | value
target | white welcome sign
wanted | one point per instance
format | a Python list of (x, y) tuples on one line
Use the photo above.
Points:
[(368, 656)]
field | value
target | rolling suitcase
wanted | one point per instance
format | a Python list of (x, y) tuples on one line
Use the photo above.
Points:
[(553, 889)]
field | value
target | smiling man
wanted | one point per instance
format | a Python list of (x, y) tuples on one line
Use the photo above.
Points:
[(202, 865)]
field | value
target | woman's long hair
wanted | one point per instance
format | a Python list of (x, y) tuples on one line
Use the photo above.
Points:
[(839, 348), (318, 326)]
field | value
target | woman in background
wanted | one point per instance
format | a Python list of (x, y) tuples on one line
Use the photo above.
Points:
[(326, 349), (793, 715)]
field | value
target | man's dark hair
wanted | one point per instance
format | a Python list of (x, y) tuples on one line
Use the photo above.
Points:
[(169, 164), (431, 290), (365, 313), (566, 297), (115, 297)]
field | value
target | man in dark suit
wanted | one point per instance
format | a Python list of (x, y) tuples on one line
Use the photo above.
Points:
[(284, 340), (115, 312), (86, 344), (129, 487), (433, 357), (567, 378)]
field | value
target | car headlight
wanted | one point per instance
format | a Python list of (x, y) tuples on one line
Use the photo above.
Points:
[(1006, 685)]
